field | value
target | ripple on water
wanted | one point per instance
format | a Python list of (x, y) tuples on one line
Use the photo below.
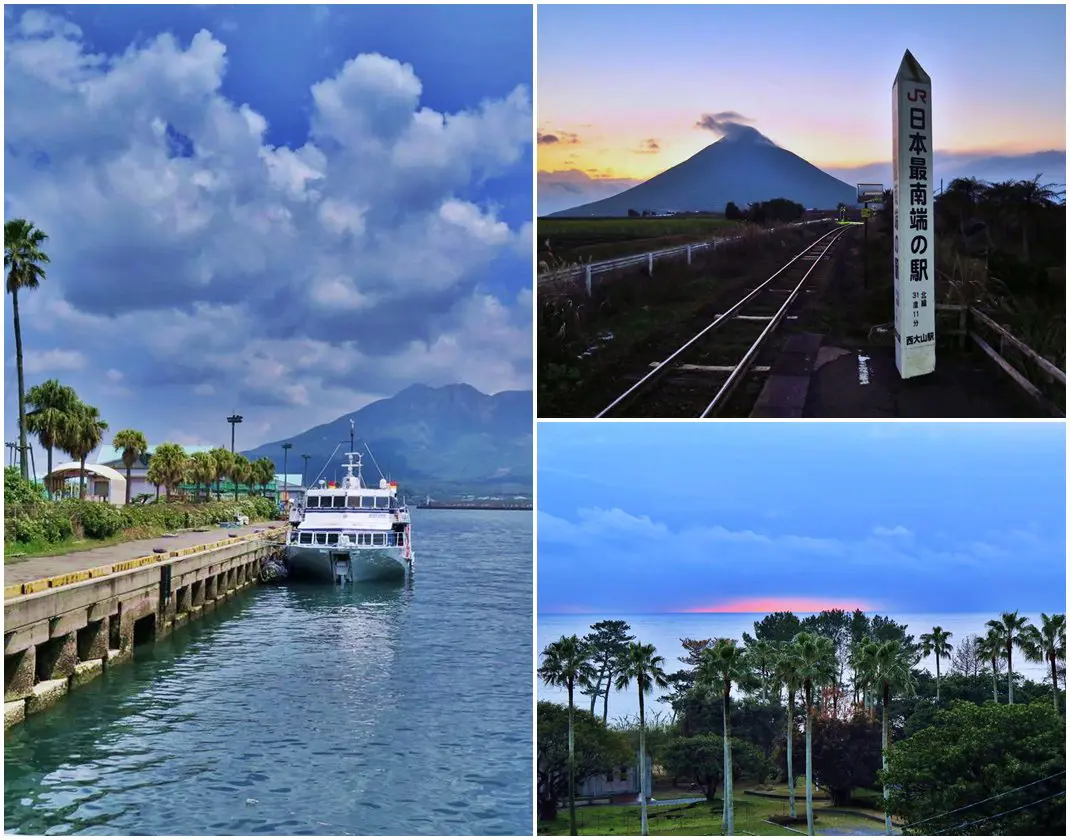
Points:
[(370, 710)]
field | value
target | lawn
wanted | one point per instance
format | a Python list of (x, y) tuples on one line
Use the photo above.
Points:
[(751, 817)]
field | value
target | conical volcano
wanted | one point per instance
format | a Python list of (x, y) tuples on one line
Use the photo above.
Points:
[(744, 166)]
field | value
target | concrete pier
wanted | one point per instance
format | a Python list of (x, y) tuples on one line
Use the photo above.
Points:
[(64, 631)]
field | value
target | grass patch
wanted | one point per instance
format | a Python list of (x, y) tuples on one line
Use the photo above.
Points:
[(602, 239), (751, 817)]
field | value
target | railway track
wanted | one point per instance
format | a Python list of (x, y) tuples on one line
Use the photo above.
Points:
[(700, 376)]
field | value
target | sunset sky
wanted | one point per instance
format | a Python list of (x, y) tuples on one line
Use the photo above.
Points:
[(622, 88), (758, 517)]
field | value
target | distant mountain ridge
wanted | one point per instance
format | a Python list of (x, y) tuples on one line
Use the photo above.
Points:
[(447, 441), (743, 167)]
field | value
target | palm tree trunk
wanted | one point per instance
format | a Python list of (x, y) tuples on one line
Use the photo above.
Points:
[(605, 698), (728, 798), (809, 766), (645, 828), (791, 768), (884, 757), (995, 690), (1054, 682), (23, 463), (128, 485), (938, 678), (571, 769), (49, 482), (81, 477), (1010, 676)]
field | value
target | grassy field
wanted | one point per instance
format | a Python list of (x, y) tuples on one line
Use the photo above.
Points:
[(752, 815), (580, 240)]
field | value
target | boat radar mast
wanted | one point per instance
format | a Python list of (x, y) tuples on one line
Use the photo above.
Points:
[(353, 482)]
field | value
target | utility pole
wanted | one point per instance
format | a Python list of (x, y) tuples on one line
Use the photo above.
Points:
[(286, 447), (304, 471), (234, 420), (351, 449)]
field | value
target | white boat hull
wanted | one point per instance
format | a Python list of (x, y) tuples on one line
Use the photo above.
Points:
[(329, 563)]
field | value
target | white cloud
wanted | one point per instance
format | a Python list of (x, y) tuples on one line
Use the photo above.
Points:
[(51, 361), (314, 276), (897, 531)]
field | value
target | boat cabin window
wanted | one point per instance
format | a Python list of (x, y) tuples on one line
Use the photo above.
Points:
[(364, 539), (367, 502), (321, 539), (339, 501), (353, 502), (401, 538), (306, 538), (313, 502), (382, 502), (380, 539), (332, 539)]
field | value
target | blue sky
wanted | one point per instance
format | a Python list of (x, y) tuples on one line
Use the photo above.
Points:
[(289, 211), (898, 517), (625, 104)]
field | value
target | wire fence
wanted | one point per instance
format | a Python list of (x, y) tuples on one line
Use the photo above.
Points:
[(586, 272)]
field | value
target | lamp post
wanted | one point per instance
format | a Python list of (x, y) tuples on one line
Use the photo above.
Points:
[(234, 420), (286, 447), (304, 471)]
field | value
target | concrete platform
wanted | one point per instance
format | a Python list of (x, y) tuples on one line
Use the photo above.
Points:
[(864, 383), (23, 570)]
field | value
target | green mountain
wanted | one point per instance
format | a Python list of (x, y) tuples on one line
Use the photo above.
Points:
[(444, 442)]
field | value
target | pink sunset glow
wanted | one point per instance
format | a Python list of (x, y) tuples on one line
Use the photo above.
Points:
[(783, 604)]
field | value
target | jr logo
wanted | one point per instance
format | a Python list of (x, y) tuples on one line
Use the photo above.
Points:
[(917, 94)]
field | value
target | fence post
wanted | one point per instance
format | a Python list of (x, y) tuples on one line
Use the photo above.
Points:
[(689, 255), (650, 264), (588, 272)]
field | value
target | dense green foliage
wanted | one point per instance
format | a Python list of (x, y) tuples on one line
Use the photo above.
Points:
[(598, 750), (976, 752), (37, 522)]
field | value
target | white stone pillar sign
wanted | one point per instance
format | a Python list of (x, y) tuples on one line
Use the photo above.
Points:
[(913, 252)]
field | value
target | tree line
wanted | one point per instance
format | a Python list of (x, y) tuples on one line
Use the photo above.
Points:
[(60, 420), (858, 688)]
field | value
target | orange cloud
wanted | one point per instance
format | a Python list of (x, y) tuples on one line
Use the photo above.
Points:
[(782, 604)]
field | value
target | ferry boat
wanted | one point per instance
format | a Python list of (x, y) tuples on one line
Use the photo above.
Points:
[(350, 533)]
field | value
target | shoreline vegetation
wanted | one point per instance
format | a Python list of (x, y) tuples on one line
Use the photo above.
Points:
[(808, 724)]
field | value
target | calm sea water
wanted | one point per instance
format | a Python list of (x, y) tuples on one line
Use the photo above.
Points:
[(665, 632), (310, 710)]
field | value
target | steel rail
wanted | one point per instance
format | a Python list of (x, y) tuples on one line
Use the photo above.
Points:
[(748, 359), (666, 364)]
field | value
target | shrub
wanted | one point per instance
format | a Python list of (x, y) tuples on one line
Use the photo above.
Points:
[(41, 522)]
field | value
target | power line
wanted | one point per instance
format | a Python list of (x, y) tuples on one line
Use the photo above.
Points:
[(989, 799), (1001, 814)]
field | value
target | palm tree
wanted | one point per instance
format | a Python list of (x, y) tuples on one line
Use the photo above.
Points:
[(50, 413), (763, 656), (1010, 628), (1033, 196), (222, 458), (23, 259), (82, 434), (202, 471), (936, 643), (785, 671), (816, 660), (167, 466), (641, 664), (265, 472), (565, 663), (239, 472), (1048, 644), (720, 666), (991, 648), (889, 664), (133, 445)]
